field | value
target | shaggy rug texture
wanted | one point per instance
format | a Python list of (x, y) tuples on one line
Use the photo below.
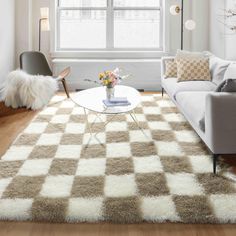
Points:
[(50, 174)]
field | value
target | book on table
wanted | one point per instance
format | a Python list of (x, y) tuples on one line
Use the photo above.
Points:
[(116, 101)]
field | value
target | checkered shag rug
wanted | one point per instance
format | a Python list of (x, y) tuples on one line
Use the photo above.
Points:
[(52, 174)]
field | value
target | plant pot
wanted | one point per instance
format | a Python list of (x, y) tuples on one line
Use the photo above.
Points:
[(110, 92)]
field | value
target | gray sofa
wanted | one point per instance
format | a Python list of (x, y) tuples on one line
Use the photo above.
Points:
[(198, 101)]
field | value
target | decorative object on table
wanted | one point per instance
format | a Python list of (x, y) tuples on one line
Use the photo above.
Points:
[(110, 91), (35, 63), (116, 102), (110, 79), (189, 24), (43, 22)]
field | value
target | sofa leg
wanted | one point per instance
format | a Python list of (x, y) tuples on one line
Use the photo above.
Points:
[(215, 159), (162, 92)]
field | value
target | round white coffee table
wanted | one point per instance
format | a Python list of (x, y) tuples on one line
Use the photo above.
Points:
[(92, 100)]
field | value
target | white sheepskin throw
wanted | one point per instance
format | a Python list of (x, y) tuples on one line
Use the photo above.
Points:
[(24, 90)]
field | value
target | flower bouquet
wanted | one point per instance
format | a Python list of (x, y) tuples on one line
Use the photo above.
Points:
[(110, 79)]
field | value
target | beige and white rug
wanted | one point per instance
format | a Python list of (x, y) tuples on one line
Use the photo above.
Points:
[(49, 174)]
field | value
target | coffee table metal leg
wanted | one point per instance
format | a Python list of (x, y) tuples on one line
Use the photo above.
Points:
[(133, 116), (98, 116), (87, 122), (90, 128), (109, 121)]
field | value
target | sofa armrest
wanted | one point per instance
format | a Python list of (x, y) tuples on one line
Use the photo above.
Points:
[(220, 122)]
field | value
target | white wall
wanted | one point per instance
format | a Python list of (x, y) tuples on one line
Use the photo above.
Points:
[(195, 9), (45, 40), (222, 40), (7, 38), (27, 27), (200, 36), (23, 27), (230, 37), (196, 40), (217, 42), (145, 74)]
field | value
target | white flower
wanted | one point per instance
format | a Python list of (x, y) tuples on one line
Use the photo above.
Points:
[(125, 77), (117, 72)]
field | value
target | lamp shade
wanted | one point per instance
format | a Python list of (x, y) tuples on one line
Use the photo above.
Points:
[(190, 25), (174, 10), (45, 26), (44, 12)]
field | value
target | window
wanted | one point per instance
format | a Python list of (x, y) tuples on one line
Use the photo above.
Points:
[(110, 25)]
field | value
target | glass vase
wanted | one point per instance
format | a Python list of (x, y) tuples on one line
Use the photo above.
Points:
[(110, 91)]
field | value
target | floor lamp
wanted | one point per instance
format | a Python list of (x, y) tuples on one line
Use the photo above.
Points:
[(43, 23), (189, 24)]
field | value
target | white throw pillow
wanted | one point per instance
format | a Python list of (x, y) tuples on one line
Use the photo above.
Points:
[(193, 55), (230, 73), (218, 68)]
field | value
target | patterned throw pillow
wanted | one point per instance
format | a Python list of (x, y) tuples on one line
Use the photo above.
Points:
[(193, 69), (171, 69)]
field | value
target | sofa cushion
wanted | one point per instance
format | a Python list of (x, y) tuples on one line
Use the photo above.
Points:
[(169, 84), (193, 105), (172, 86)]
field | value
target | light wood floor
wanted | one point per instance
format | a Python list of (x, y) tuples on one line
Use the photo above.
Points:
[(12, 122)]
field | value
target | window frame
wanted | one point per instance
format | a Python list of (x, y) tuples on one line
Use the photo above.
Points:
[(109, 31)]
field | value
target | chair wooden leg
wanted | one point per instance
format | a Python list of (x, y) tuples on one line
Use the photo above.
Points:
[(215, 158), (65, 88)]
